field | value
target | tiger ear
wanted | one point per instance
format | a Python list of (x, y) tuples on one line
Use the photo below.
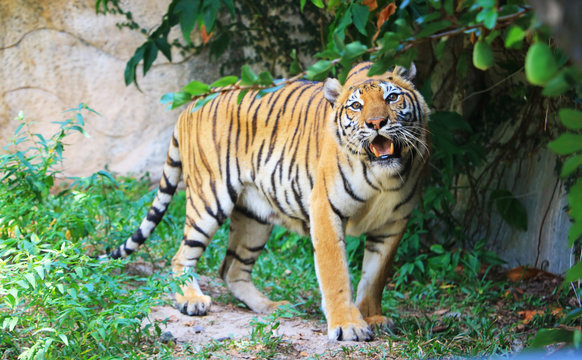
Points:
[(331, 90), (405, 73)]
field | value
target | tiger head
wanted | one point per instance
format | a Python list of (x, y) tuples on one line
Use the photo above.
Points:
[(382, 119)]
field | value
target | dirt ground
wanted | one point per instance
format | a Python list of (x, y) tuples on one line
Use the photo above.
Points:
[(229, 322), (225, 322)]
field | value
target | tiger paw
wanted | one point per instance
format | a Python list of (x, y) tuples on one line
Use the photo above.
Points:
[(350, 331), (379, 322), (193, 304)]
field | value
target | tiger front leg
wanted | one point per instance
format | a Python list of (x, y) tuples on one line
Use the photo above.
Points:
[(379, 252), (191, 301), (344, 320)]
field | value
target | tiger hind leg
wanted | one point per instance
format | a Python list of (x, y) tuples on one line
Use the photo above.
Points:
[(247, 237), (200, 226)]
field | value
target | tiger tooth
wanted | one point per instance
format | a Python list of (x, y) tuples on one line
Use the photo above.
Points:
[(391, 151), (375, 151)]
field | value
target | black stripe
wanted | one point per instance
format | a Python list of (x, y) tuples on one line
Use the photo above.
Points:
[(374, 239), (195, 243), (372, 248), (336, 210), (408, 197), (174, 140), (255, 248), (246, 212), (404, 175), (197, 228), (367, 179), (366, 67), (169, 189), (254, 123), (155, 215), (248, 261), (231, 191), (173, 163), (347, 185), (298, 198), (138, 237)]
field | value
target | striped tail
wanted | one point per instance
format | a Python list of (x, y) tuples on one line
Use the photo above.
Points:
[(168, 184)]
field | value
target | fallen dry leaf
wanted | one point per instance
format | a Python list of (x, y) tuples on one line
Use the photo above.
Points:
[(383, 16), (371, 4), (528, 315), (524, 273)]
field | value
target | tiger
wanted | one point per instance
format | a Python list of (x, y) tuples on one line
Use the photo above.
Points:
[(321, 159)]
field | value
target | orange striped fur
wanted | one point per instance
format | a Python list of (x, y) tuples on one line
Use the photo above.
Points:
[(318, 158)]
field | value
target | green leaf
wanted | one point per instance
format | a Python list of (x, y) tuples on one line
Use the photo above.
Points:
[(132, 64), (31, 279), (439, 48), (437, 248), (575, 232), (390, 40), (570, 165), (515, 35), (225, 81), (360, 15), (449, 7), (575, 201), (319, 70), (230, 6), (241, 95), (210, 10), (558, 85), (200, 103), (150, 55), (265, 78), (318, 3), (188, 13), (196, 88), (482, 55), (510, 209), (488, 17), (354, 49), (546, 337), (433, 27), (302, 3), (540, 64), (381, 65), (294, 68), (571, 118), (64, 338), (248, 77), (574, 273), (405, 59), (566, 144)]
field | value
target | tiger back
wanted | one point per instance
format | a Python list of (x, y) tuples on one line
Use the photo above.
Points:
[(321, 159)]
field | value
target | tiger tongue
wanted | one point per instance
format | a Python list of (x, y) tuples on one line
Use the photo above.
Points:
[(381, 146)]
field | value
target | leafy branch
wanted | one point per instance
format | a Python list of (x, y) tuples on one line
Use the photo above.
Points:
[(264, 83)]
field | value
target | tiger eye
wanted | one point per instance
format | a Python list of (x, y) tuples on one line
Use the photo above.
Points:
[(356, 106), (392, 97)]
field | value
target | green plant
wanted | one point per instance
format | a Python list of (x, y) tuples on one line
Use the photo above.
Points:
[(57, 302)]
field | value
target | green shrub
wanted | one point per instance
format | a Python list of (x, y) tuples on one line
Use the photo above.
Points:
[(57, 302)]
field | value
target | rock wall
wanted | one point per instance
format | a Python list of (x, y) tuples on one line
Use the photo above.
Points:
[(56, 54)]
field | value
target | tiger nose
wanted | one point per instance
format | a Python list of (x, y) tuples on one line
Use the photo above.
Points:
[(376, 123)]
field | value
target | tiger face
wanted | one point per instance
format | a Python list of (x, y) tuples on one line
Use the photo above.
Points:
[(379, 121)]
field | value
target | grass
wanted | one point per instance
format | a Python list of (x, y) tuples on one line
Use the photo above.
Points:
[(58, 302)]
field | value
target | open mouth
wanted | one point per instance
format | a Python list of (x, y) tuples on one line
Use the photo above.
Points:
[(382, 148)]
